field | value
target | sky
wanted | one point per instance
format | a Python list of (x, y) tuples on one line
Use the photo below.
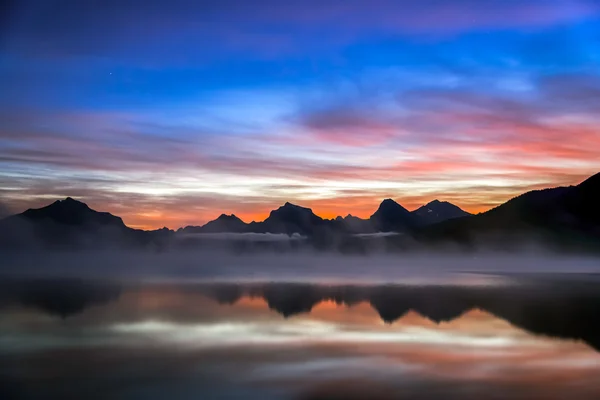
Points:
[(169, 113)]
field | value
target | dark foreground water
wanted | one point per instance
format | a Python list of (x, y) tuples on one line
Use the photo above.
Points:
[(525, 338)]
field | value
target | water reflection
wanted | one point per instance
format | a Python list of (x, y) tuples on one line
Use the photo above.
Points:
[(61, 297), (530, 339)]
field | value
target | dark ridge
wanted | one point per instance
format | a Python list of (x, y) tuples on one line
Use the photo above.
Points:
[(562, 218)]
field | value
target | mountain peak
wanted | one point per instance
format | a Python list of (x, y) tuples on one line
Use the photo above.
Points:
[(437, 211), (388, 201), (72, 212), (68, 205), (223, 224), (347, 217), (389, 205), (291, 218), (290, 207), (68, 201), (293, 206), (228, 217), (392, 217)]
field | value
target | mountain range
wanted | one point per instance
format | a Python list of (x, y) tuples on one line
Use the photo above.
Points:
[(290, 218), (562, 216)]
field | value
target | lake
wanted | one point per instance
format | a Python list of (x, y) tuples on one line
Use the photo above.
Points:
[(493, 337)]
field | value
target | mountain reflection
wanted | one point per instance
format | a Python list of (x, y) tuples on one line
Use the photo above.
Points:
[(561, 310), (527, 338), (551, 308), (60, 297)]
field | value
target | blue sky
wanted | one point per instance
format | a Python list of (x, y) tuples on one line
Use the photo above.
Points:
[(169, 113)]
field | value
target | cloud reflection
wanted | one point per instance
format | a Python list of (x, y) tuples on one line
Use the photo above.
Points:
[(217, 340)]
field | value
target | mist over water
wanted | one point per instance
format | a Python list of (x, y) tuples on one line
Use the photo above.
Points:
[(308, 267)]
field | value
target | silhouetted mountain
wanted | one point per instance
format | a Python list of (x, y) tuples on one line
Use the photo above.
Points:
[(73, 212), (226, 223), (438, 211), (72, 224), (392, 217), (581, 205), (563, 216), (352, 224), (223, 224), (290, 219)]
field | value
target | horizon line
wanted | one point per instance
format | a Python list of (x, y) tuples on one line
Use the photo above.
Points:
[(157, 227)]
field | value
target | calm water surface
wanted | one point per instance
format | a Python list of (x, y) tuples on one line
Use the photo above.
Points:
[(522, 339)]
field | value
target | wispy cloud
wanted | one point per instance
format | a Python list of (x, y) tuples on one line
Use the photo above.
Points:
[(169, 113)]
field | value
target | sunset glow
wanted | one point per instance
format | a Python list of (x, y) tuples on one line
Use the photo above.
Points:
[(185, 110)]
